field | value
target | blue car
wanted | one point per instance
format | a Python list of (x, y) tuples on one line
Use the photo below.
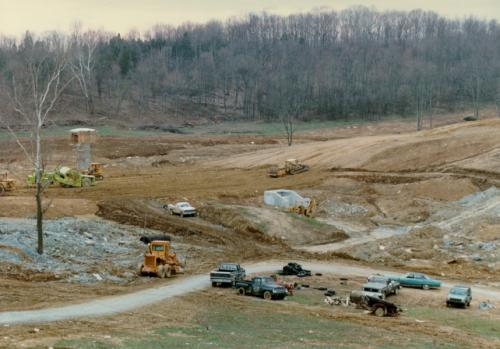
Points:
[(417, 280)]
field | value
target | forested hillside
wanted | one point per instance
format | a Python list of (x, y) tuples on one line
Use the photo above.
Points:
[(357, 63)]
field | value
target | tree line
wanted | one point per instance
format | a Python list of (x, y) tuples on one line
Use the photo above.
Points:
[(357, 63)]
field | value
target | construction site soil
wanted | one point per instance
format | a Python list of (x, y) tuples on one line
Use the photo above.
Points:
[(424, 201)]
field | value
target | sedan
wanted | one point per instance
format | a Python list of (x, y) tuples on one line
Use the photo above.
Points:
[(417, 280)]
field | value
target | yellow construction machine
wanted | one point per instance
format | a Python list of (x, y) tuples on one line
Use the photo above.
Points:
[(305, 209), (6, 183), (95, 169), (291, 167), (159, 261)]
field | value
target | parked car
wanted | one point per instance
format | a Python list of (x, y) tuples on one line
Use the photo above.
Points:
[(417, 280), (182, 209), (261, 286), (227, 274), (459, 296), (382, 285)]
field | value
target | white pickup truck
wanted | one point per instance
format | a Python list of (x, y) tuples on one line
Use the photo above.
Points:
[(181, 208)]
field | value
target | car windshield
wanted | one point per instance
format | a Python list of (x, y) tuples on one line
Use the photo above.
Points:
[(267, 280), (228, 267), (378, 279), (459, 291), (184, 205)]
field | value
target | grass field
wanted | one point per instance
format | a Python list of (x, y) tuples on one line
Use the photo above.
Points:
[(227, 128), (259, 325)]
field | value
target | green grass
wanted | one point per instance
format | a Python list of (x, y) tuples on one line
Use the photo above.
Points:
[(262, 326), (101, 131), (308, 220), (227, 128), (263, 227), (270, 128), (459, 318)]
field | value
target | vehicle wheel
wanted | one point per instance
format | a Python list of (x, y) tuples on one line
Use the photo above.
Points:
[(267, 296), (214, 284), (161, 272), (425, 287), (379, 311), (241, 291), (139, 269), (168, 271), (468, 304)]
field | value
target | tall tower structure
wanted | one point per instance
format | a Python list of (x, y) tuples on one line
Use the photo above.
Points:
[(82, 140)]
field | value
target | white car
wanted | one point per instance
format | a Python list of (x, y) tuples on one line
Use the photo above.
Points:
[(181, 208)]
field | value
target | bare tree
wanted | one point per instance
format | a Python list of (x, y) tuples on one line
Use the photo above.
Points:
[(36, 77), (82, 63)]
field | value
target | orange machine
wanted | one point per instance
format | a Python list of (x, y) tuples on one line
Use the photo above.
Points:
[(159, 261), (95, 169)]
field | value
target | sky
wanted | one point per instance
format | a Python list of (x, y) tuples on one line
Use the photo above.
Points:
[(17, 16)]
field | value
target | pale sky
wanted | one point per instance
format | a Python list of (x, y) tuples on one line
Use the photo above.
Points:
[(17, 16)]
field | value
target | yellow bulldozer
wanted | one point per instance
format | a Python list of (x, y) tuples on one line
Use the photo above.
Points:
[(159, 261), (95, 169), (6, 183), (306, 210), (291, 167)]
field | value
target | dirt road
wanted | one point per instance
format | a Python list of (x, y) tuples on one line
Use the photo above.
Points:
[(176, 287)]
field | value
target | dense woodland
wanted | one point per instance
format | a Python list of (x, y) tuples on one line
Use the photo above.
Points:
[(357, 63)]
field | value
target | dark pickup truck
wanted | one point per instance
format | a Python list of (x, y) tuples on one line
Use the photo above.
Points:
[(261, 286), (227, 274)]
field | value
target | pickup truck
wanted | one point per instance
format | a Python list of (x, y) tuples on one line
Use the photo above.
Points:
[(459, 296), (381, 286), (227, 274), (181, 208), (261, 286)]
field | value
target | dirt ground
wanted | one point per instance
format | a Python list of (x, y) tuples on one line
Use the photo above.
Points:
[(199, 317), (398, 195)]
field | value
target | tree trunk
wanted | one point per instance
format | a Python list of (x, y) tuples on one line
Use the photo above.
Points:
[(90, 104), (39, 214), (38, 182)]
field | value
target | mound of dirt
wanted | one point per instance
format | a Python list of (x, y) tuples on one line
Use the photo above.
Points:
[(220, 228)]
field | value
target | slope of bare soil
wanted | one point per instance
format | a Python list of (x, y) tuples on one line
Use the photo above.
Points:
[(404, 152)]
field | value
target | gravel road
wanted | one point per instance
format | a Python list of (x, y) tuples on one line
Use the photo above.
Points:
[(179, 286)]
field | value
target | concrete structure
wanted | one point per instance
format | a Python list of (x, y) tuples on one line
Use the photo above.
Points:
[(285, 198)]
